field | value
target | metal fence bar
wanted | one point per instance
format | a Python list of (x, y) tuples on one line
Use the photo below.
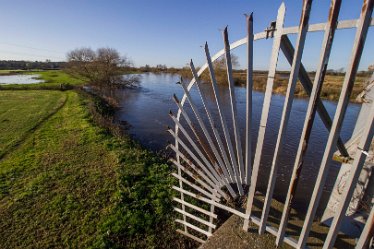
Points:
[(206, 171), (196, 178), (187, 204), (207, 135), (200, 154), (272, 230), (367, 233), (193, 129), (191, 236), (238, 145), (217, 204), (304, 20), (305, 81), (196, 169), (317, 87), (212, 124), (198, 229), (248, 114), (223, 121), (211, 225), (210, 172), (357, 165), (194, 186), (345, 24), (212, 208), (339, 114), (265, 110)]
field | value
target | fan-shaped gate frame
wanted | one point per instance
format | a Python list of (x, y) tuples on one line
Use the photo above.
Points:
[(204, 173)]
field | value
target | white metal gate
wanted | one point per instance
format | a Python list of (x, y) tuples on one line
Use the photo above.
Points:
[(215, 170)]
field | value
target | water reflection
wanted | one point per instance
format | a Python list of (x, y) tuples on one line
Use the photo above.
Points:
[(20, 79), (146, 110)]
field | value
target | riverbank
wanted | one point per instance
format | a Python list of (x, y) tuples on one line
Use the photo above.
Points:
[(66, 182), (53, 80), (330, 91)]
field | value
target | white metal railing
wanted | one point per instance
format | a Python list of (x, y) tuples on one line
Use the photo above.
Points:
[(210, 168)]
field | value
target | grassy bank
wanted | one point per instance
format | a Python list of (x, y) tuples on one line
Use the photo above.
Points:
[(331, 88), (53, 80), (69, 183)]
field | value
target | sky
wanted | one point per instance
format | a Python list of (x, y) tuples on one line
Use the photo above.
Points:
[(169, 32)]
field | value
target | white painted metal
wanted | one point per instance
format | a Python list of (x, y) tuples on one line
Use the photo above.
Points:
[(207, 135), (212, 125), (274, 231), (367, 233), (219, 205), (304, 20), (197, 178), (357, 165), (238, 145), (194, 186), (191, 236), (248, 114), (190, 164), (195, 218), (223, 121), (208, 168), (198, 229), (201, 155), (203, 211), (210, 172), (339, 114), (307, 84), (265, 110), (317, 86)]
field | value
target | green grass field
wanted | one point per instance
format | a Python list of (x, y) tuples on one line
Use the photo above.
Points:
[(21, 112), (53, 79), (69, 183)]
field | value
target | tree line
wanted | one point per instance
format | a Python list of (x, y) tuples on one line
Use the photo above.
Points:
[(30, 65)]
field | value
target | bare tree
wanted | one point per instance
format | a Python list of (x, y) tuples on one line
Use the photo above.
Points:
[(220, 63), (103, 67)]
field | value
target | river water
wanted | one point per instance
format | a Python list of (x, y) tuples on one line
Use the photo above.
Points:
[(146, 109), (20, 79)]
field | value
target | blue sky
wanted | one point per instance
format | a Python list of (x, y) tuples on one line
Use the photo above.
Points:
[(161, 32)]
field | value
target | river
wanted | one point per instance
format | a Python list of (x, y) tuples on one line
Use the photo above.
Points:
[(146, 109)]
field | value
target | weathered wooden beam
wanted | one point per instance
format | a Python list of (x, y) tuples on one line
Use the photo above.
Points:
[(265, 111)]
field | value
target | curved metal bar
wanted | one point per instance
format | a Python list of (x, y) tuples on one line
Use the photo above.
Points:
[(345, 24)]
